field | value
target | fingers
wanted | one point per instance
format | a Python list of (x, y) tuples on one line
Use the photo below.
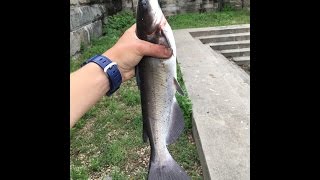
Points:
[(154, 50)]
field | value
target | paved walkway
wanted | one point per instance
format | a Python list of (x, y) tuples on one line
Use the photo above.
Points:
[(220, 94)]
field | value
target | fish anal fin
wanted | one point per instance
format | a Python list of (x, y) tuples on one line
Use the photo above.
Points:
[(176, 123)]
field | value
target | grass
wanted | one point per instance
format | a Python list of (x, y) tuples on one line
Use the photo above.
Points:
[(207, 19), (107, 140)]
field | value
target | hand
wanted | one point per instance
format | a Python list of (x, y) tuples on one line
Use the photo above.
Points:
[(129, 50)]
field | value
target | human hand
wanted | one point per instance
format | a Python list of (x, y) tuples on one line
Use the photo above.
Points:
[(129, 50)]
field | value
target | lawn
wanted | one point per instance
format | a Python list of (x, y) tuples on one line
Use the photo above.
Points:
[(209, 19), (108, 139)]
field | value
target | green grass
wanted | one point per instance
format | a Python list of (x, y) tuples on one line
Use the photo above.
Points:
[(107, 140), (207, 19)]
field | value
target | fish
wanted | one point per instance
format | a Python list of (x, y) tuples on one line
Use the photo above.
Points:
[(162, 117)]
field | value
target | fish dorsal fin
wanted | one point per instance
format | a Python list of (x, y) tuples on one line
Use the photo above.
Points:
[(176, 123)]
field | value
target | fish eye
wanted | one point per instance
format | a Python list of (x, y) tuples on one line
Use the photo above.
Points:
[(144, 3)]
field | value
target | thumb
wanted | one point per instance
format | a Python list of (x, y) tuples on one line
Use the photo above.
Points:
[(154, 50)]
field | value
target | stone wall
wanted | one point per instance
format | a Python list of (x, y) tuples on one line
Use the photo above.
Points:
[(127, 4), (86, 20), (113, 6), (239, 4), (172, 7), (246, 4)]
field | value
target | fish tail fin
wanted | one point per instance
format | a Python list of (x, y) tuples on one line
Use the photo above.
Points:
[(167, 169)]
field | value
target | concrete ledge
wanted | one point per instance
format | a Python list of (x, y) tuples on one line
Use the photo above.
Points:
[(220, 94)]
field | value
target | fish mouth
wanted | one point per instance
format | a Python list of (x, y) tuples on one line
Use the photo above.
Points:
[(158, 26), (158, 35), (151, 23)]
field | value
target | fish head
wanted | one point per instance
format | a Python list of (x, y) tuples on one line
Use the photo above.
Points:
[(150, 21)]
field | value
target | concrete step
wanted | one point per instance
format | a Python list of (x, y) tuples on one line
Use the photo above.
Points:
[(242, 60), (235, 52), (228, 30), (230, 45), (225, 37)]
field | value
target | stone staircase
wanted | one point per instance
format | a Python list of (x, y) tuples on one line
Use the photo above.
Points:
[(231, 41)]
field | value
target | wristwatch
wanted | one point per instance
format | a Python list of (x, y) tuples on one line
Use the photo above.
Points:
[(111, 70)]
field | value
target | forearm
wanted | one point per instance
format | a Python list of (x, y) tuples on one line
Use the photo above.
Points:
[(87, 86)]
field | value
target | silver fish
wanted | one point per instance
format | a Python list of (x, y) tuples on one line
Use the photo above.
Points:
[(157, 80)]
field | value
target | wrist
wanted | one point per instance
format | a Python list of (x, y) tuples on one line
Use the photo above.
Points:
[(96, 77), (110, 70), (115, 58)]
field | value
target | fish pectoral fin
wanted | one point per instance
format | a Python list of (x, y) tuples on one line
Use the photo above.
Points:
[(137, 76), (145, 136), (177, 123), (178, 87)]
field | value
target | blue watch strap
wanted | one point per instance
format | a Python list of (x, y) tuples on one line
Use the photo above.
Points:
[(102, 61), (115, 76), (111, 70)]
